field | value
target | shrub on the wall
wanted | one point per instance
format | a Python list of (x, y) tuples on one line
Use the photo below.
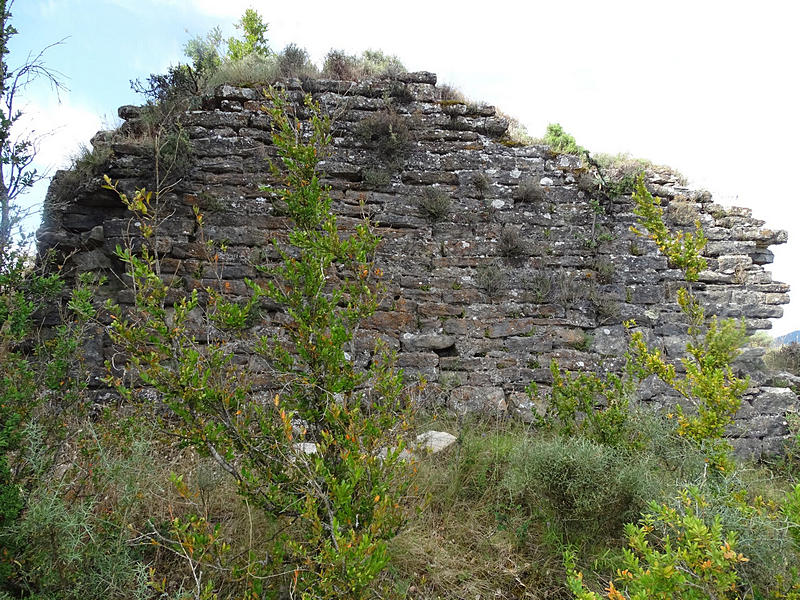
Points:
[(435, 204)]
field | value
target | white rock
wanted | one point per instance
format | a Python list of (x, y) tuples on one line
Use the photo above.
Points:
[(305, 447), (498, 204), (546, 181), (435, 441)]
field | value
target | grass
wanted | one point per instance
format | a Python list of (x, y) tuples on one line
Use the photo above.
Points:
[(469, 540), (529, 190), (86, 164), (510, 243), (388, 133), (370, 64), (618, 166), (491, 279), (490, 517), (434, 204), (517, 134)]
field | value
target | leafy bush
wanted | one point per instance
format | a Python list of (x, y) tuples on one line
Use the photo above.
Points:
[(71, 541), (587, 488), (322, 458), (41, 390), (371, 63), (560, 141), (254, 37), (709, 382), (596, 407), (294, 61), (672, 553), (706, 543)]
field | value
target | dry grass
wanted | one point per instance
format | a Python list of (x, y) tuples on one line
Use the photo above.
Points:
[(618, 166), (468, 539)]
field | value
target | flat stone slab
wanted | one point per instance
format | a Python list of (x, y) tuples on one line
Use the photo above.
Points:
[(435, 441)]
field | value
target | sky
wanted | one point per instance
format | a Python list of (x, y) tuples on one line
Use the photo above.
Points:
[(707, 87)]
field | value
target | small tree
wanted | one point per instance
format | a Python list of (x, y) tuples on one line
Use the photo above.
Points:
[(254, 40), (325, 451), (16, 154), (709, 382)]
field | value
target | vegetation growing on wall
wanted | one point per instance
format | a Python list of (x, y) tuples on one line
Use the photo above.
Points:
[(322, 459)]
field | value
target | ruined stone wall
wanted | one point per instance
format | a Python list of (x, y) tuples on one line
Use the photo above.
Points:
[(496, 258)]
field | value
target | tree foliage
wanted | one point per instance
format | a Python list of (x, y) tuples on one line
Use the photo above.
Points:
[(324, 452), (16, 153)]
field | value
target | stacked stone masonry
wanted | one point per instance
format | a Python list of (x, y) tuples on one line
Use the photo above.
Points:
[(519, 269)]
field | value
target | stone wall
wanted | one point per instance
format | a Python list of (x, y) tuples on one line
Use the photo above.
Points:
[(497, 258)]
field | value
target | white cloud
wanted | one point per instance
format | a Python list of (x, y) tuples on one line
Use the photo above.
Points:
[(59, 131), (60, 128)]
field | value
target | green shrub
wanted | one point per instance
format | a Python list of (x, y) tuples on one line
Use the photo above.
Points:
[(593, 406), (372, 63), (434, 204), (709, 382), (673, 553), (587, 489), (294, 61), (322, 458), (41, 389), (70, 541), (707, 542), (254, 37), (340, 65), (560, 141)]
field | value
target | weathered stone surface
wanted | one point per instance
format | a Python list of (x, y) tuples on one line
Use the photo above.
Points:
[(427, 341), (485, 399), (464, 304), (434, 441)]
